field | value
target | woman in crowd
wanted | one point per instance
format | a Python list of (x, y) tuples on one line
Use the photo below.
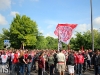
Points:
[(29, 61), (40, 64), (51, 63), (22, 62), (88, 60)]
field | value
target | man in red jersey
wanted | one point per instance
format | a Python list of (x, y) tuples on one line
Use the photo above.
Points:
[(80, 61), (15, 63)]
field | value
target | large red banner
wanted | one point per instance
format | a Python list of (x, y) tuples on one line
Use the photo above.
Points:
[(64, 32)]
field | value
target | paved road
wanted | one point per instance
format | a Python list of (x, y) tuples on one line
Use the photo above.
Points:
[(33, 73), (86, 73), (3, 74)]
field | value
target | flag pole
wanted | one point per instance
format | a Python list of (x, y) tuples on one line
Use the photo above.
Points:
[(92, 34), (59, 41), (68, 47)]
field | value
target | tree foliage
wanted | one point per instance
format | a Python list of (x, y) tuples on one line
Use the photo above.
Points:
[(23, 30), (4, 36), (85, 40), (41, 43), (51, 43)]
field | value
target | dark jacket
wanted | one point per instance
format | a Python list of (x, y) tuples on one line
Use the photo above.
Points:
[(85, 57), (55, 58), (98, 60), (95, 59), (71, 60)]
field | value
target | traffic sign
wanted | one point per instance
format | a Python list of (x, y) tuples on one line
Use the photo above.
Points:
[(6, 43)]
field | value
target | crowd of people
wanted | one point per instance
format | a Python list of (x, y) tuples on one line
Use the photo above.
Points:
[(52, 61)]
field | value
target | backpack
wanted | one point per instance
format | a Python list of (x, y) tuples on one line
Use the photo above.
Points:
[(29, 58), (36, 57)]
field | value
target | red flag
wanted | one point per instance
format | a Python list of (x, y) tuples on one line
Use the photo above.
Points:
[(64, 32)]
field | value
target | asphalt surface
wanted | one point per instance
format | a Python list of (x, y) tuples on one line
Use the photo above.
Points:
[(66, 73), (86, 73)]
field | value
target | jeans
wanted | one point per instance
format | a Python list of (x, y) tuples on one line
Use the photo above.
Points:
[(4, 63), (75, 67), (99, 70), (32, 64), (22, 68), (28, 69), (96, 69), (15, 68), (40, 71), (10, 65), (79, 69), (84, 66), (51, 69), (88, 64)]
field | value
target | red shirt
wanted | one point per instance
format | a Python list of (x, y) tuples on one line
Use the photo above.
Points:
[(41, 62), (25, 56), (15, 60), (80, 59), (76, 58)]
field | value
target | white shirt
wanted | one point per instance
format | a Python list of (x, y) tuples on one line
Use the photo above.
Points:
[(4, 58), (12, 56), (88, 57)]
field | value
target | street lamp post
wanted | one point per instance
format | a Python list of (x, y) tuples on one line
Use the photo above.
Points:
[(92, 33)]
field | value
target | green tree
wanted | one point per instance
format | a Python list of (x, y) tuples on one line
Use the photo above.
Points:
[(1, 42), (78, 41), (88, 39), (4, 36), (23, 30), (41, 43), (85, 40), (55, 46), (51, 43), (96, 39)]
